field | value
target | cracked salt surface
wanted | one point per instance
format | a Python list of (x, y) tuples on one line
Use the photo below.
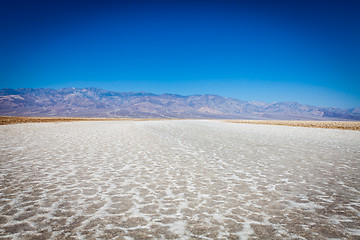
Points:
[(178, 180)]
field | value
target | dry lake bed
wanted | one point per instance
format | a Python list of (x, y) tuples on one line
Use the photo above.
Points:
[(180, 179)]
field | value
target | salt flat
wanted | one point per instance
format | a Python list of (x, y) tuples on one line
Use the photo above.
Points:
[(178, 179)]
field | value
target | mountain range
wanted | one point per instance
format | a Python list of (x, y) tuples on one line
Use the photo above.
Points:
[(94, 102)]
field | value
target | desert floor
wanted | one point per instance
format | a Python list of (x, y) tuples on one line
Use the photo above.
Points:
[(186, 179), (346, 125)]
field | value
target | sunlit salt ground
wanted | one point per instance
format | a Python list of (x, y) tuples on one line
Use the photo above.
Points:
[(178, 179)]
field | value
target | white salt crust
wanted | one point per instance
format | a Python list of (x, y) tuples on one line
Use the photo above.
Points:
[(178, 179)]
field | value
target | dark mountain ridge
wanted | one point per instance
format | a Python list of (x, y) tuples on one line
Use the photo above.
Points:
[(94, 102)]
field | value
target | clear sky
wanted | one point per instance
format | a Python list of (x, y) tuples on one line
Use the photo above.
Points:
[(272, 51)]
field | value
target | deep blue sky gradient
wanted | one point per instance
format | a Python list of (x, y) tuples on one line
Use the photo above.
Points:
[(304, 51)]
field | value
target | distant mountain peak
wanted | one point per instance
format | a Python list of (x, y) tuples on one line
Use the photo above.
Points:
[(95, 102)]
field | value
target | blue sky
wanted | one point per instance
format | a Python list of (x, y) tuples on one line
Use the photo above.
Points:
[(271, 51)]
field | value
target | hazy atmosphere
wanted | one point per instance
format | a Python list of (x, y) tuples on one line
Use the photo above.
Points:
[(271, 51)]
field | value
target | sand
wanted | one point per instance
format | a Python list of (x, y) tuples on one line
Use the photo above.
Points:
[(14, 120), (178, 180), (346, 125)]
